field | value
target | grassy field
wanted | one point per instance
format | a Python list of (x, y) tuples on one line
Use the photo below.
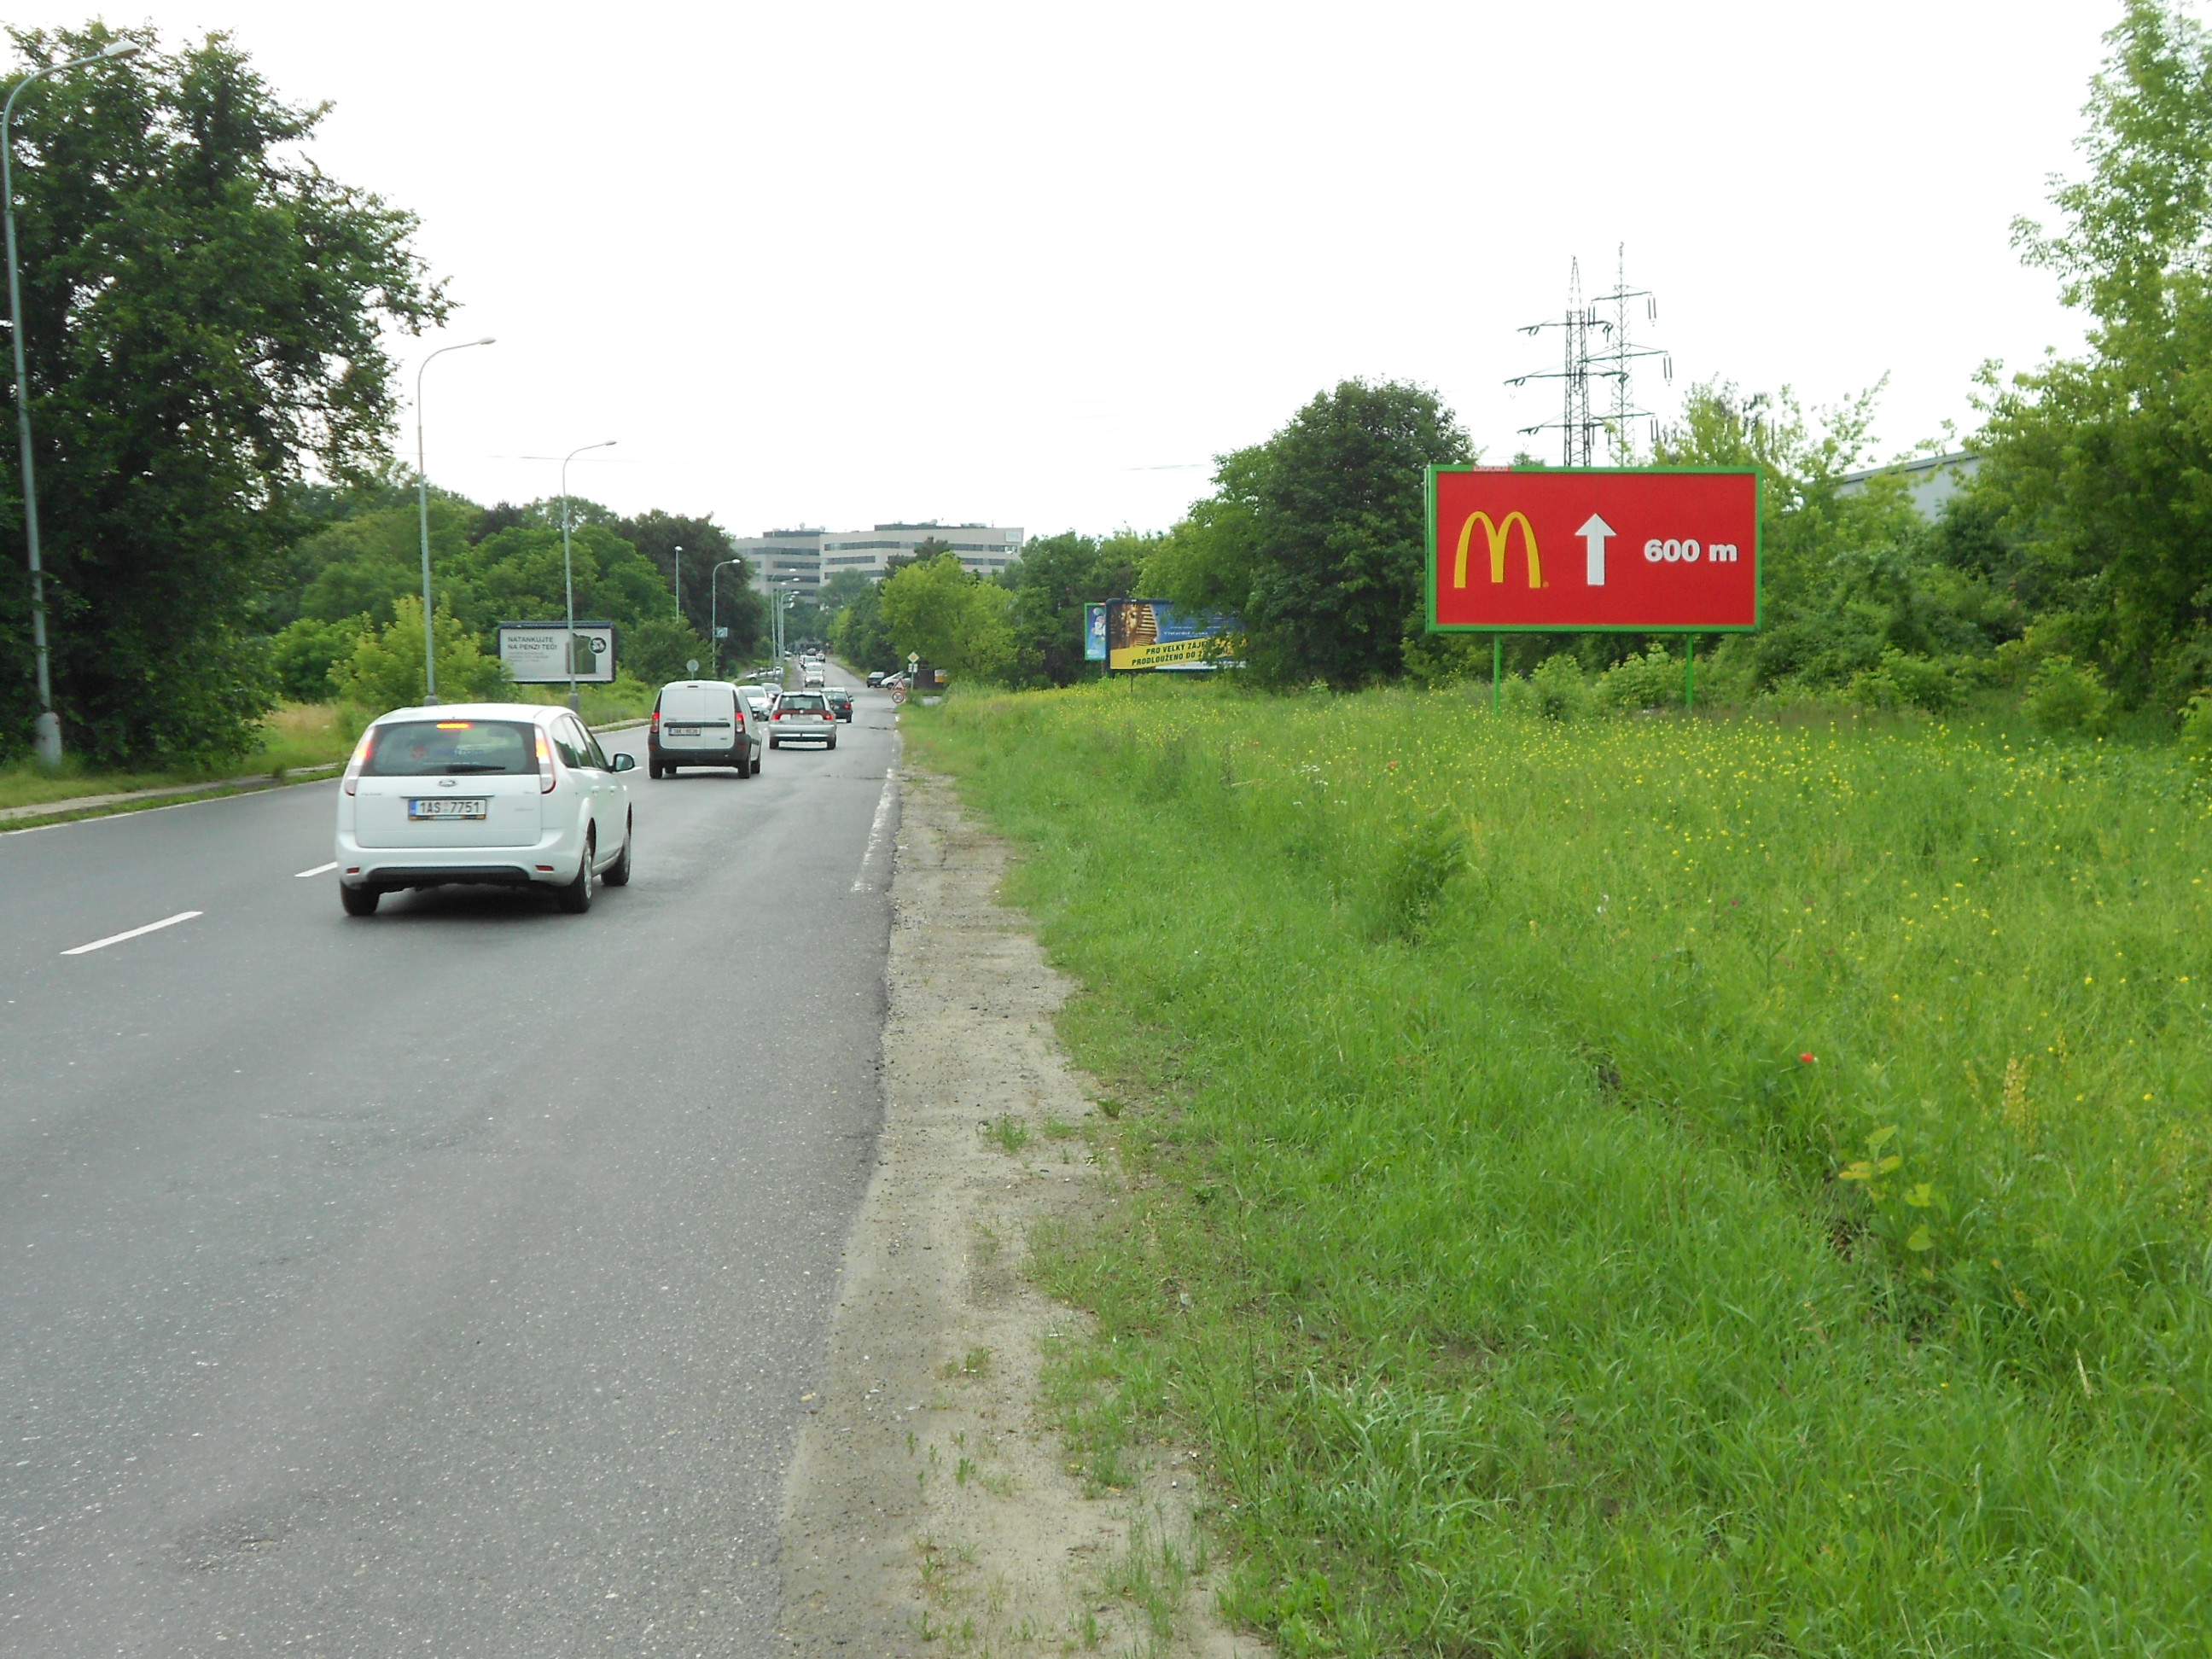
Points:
[(1642, 1186)]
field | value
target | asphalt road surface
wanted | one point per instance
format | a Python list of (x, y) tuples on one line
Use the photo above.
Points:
[(444, 1282)]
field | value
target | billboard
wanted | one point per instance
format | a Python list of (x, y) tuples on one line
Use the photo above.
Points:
[(1148, 636), (1593, 550), (1094, 633), (531, 652)]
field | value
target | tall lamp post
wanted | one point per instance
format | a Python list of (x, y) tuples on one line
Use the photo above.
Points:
[(679, 581), (714, 614), (48, 728), (568, 569), (423, 507)]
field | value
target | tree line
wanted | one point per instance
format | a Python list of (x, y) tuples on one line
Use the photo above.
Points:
[(2074, 569)]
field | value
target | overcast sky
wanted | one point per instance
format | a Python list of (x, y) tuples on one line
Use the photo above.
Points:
[(1036, 264)]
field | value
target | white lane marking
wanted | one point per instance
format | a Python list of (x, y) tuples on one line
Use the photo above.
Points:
[(320, 870), (876, 829), (150, 927)]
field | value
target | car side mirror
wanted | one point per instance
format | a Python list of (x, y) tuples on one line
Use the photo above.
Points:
[(625, 762)]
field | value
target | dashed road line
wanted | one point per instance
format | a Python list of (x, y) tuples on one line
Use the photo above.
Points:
[(150, 927)]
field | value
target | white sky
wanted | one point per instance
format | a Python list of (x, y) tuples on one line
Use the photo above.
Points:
[(1034, 264)]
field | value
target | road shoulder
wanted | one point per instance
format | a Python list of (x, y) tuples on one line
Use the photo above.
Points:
[(928, 1498)]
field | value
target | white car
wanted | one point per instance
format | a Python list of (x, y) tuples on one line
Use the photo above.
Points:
[(509, 794), (803, 717)]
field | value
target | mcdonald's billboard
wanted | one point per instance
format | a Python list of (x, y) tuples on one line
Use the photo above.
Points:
[(1593, 550)]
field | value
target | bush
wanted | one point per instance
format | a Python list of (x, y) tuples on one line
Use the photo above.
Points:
[(1907, 681), (2196, 728), (2064, 696), (1653, 680), (386, 668), (304, 653), (1560, 691)]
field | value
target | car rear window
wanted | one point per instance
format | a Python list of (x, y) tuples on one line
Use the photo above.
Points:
[(805, 702), (408, 749)]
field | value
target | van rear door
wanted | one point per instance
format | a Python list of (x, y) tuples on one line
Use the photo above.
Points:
[(699, 715)]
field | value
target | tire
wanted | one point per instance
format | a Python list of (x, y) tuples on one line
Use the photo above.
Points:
[(773, 744), (652, 768), (756, 765), (833, 739), (617, 873), (358, 901), (576, 896)]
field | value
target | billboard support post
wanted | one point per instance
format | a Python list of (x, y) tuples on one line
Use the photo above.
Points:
[(1689, 673), (1496, 669)]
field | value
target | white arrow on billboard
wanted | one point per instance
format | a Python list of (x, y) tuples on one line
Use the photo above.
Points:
[(1594, 532)]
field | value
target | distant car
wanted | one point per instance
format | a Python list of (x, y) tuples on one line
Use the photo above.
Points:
[(811, 680), (875, 676), (510, 794), (840, 701), (702, 723), (761, 702), (802, 717)]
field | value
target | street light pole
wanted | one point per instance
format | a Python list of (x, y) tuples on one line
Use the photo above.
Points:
[(48, 728), (714, 614), (423, 507), (567, 568), (679, 582)]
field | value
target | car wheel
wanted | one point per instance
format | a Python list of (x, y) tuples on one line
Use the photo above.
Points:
[(756, 765), (617, 873), (652, 768), (576, 896), (833, 739), (773, 744), (358, 901)]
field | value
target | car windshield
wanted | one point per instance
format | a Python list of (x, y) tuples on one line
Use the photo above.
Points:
[(408, 749), (804, 704)]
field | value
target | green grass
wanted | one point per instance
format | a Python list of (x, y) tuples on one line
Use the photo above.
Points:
[(1641, 1186), (294, 735)]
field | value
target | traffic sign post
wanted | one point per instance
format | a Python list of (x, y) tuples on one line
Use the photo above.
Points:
[(1672, 551)]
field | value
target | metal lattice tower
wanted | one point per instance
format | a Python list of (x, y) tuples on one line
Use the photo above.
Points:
[(1612, 359)]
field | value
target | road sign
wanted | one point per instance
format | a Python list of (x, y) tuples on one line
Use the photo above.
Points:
[(1659, 551), (531, 652), (912, 661), (691, 664)]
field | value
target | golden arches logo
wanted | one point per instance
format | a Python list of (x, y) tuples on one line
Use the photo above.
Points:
[(1497, 535)]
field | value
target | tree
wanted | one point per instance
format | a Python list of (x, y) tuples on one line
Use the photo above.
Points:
[(2102, 465), (1321, 527), (305, 650), (517, 576), (938, 611), (661, 649), (859, 636), (732, 602), (384, 670), (361, 564), (206, 318), (1055, 578)]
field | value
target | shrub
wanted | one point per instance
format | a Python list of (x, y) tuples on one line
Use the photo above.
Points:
[(2064, 696), (1905, 680), (1653, 680), (2196, 728), (1560, 691)]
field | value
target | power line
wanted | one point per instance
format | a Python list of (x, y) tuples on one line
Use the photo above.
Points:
[(1611, 408)]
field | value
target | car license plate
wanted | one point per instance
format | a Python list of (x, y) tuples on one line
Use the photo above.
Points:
[(448, 806), (683, 731)]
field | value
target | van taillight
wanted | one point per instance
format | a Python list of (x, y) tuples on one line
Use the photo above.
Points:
[(544, 766), (359, 759)]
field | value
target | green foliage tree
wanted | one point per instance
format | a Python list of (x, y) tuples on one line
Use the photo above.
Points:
[(516, 574), (361, 564), (1056, 577), (860, 634), (384, 670), (305, 650), (206, 315), (1313, 539), (732, 601), (2102, 465), (953, 620), (657, 649)]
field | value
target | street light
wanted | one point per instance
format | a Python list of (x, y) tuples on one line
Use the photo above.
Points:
[(568, 569), (679, 581), (48, 728), (423, 505), (714, 613)]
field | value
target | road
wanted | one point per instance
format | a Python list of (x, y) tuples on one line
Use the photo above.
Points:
[(445, 1282)]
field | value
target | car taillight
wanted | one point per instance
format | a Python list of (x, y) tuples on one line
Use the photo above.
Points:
[(777, 715), (544, 766), (359, 759)]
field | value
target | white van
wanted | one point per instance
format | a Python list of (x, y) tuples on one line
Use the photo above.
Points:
[(701, 723)]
